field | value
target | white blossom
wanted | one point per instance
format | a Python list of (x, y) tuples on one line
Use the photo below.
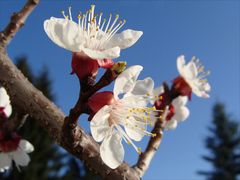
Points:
[(92, 35), (194, 74), (19, 156), (126, 118)]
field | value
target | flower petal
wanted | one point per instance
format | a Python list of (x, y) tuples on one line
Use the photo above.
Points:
[(180, 101), (181, 113), (4, 98), (207, 87), (20, 157), (99, 124), (132, 131), (190, 71), (5, 161), (65, 33), (157, 91), (181, 64), (8, 110), (112, 151), (105, 54), (143, 87), (171, 125), (201, 90), (124, 39), (26, 146), (126, 80)]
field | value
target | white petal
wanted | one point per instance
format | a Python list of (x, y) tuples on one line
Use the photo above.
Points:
[(180, 101), (105, 54), (157, 91), (171, 125), (125, 39), (133, 132), (181, 64), (111, 150), (8, 110), (200, 92), (64, 33), (181, 113), (20, 157), (99, 124), (190, 70), (207, 87), (5, 161), (26, 146), (142, 87), (4, 98), (126, 80)]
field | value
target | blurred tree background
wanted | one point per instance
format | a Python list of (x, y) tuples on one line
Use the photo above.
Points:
[(224, 146), (48, 161)]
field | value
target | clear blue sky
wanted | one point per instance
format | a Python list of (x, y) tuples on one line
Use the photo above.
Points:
[(209, 29)]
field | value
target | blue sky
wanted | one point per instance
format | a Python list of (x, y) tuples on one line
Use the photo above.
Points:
[(208, 29)]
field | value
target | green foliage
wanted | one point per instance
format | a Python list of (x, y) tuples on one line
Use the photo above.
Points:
[(224, 145), (48, 161)]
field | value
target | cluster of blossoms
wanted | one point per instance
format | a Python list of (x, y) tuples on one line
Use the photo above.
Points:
[(126, 112), (12, 146)]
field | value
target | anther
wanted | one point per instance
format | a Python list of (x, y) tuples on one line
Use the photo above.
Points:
[(139, 150)]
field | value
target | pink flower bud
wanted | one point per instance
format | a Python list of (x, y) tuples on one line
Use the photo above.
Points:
[(83, 66), (100, 99)]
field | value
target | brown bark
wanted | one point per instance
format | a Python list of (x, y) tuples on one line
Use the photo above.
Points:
[(26, 99), (146, 157), (16, 22)]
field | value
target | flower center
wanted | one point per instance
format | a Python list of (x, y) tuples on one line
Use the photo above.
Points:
[(97, 31), (134, 116)]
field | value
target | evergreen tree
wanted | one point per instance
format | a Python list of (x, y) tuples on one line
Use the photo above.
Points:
[(48, 161), (224, 145)]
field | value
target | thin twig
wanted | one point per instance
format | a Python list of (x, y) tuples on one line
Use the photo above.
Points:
[(87, 89), (17, 21), (146, 157)]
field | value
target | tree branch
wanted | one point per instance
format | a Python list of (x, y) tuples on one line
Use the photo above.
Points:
[(28, 100), (70, 132), (17, 21), (146, 157)]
